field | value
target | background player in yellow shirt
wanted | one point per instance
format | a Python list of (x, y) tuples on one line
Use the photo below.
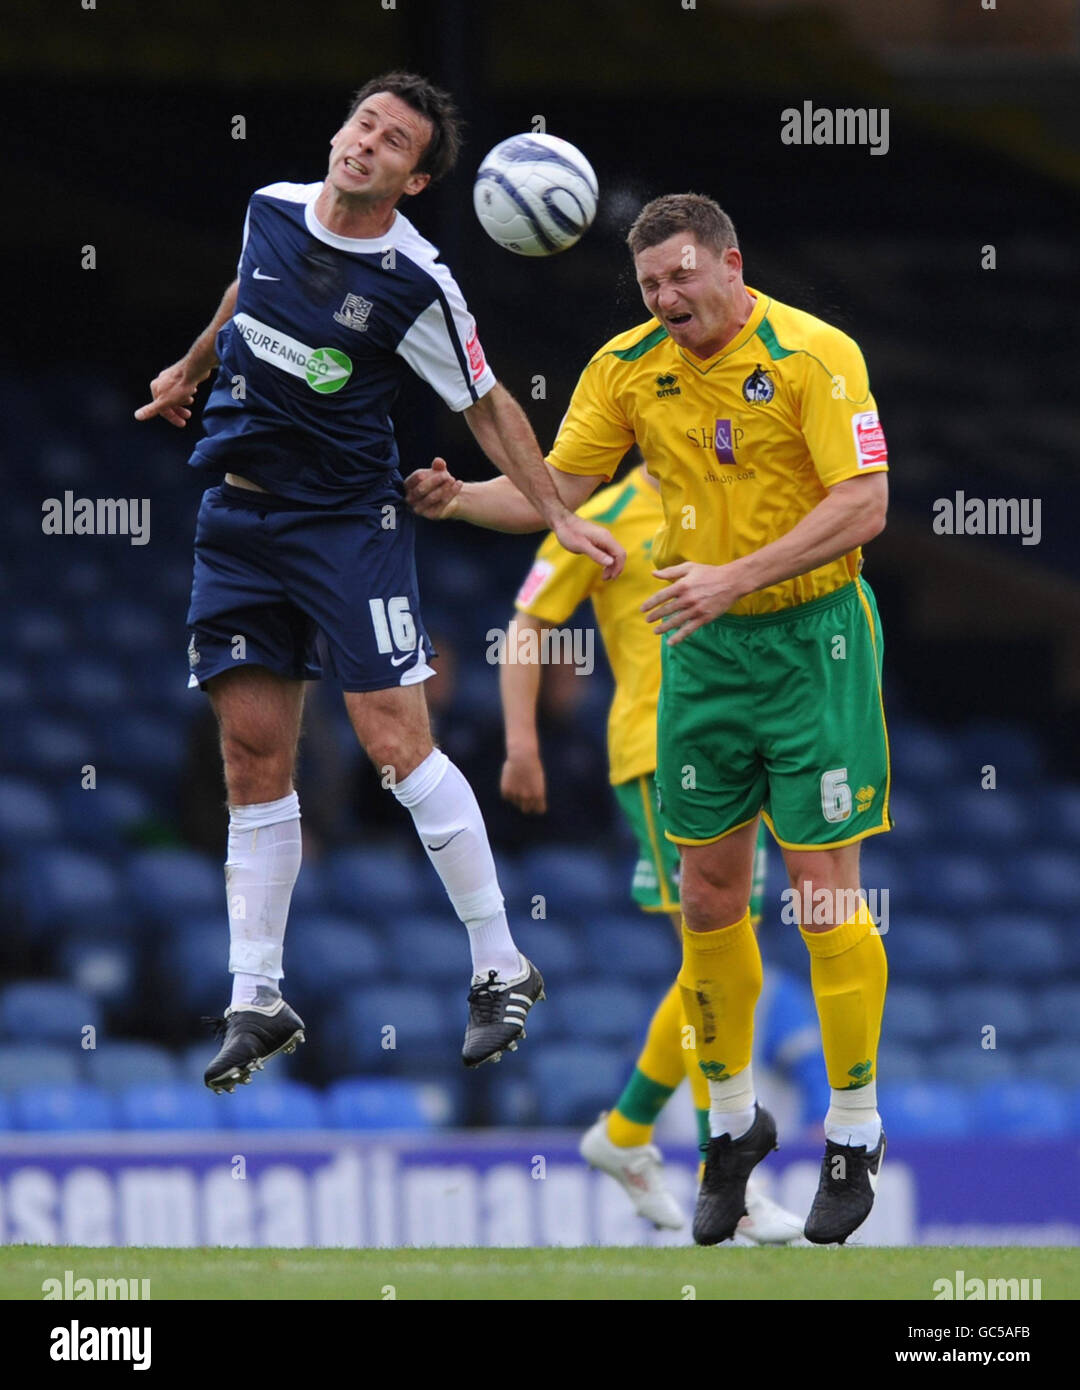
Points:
[(620, 1143), (758, 420)]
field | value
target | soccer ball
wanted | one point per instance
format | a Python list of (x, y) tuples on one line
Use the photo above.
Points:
[(535, 194)]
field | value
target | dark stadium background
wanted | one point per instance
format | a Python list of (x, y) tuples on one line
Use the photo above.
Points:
[(118, 122)]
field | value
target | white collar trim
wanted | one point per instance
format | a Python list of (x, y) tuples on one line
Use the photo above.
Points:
[(349, 243)]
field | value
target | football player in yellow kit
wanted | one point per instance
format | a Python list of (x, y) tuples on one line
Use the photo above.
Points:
[(620, 1143), (759, 423)]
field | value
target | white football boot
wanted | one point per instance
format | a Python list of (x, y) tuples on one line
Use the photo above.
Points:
[(766, 1222), (640, 1172)]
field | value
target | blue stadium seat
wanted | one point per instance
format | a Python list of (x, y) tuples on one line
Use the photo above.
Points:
[(46, 1011), (557, 948), (50, 746), (1058, 1062), (195, 961), (106, 816), (574, 1081), (1027, 1109), (927, 949), (172, 884), (275, 1104), (913, 1015), (104, 968), (37, 1064), (131, 626), (1012, 749), (913, 827), (170, 1105), (378, 881), (984, 819), (969, 1064), (1047, 879), (574, 882), (926, 1110), (617, 1012), (924, 754), (423, 1032), (310, 895), (1058, 809), (1059, 1009), (370, 1103), (88, 683), (27, 812), (641, 948), (150, 746), (16, 688), (1018, 947), (327, 954), (32, 630), (432, 949), (76, 1107), (899, 1063), (70, 889), (968, 1009), (114, 1064), (6, 1119), (961, 883)]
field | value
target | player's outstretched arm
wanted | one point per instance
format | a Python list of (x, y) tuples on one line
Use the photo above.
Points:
[(522, 782), (502, 430), (173, 390)]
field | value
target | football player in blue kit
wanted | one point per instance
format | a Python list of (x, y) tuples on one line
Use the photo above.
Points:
[(337, 297)]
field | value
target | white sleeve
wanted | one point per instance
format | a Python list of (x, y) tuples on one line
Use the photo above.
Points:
[(442, 346)]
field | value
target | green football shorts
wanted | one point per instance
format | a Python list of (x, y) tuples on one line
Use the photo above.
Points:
[(655, 886), (779, 713)]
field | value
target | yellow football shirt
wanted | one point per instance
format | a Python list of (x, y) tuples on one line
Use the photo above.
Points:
[(744, 443), (558, 582)]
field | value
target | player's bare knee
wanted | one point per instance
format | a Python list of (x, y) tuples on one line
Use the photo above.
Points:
[(255, 771), (708, 906)]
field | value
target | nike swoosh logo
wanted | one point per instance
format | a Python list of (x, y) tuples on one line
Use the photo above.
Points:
[(872, 1177), (257, 275), (446, 842), (397, 660)]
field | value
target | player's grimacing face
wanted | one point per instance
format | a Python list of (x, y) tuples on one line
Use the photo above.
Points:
[(375, 153), (694, 291)]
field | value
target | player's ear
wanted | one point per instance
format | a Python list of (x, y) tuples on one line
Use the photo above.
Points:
[(416, 183)]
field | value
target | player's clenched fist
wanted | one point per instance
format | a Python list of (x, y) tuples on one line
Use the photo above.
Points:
[(522, 783), (432, 492), (173, 391)]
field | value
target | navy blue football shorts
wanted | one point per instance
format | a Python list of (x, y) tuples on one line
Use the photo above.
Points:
[(271, 575)]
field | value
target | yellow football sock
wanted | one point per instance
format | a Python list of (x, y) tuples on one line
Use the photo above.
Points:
[(848, 973), (659, 1070), (720, 981)]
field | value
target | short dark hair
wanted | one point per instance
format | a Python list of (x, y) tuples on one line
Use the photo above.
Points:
[(424, 97), (682, 212)]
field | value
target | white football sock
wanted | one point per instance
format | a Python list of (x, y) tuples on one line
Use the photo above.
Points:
[(731, 1104), (853, 1118), (451, 829), (260, 871)]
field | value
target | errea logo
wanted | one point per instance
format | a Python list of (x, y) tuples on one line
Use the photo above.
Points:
[(666, 385)]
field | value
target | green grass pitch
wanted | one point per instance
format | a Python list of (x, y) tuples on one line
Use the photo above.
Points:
[(592, 1272)]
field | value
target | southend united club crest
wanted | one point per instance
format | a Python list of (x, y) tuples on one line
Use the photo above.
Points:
[(757, 388), (355, 312)]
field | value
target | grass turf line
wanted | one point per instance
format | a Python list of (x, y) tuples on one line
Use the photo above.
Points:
[(589, 1272)]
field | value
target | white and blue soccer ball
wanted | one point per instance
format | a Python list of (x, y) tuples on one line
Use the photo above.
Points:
[(535, 194)]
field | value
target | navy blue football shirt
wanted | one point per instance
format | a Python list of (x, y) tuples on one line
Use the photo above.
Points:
[(325, 329)]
